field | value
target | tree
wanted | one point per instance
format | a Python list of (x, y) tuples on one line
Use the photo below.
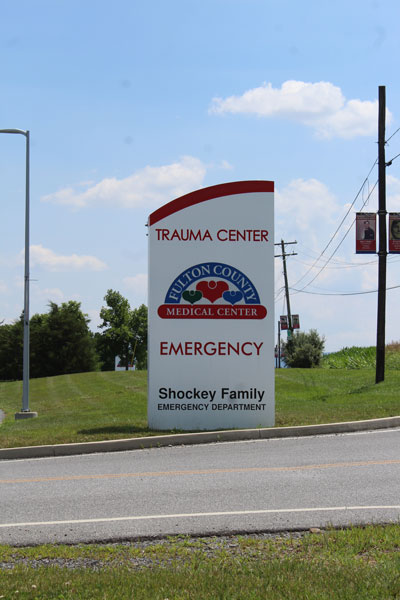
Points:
[(11, 337), (64, 343), (124, 333), (139, 330), (117, 335), (60, 343), (304, 350)]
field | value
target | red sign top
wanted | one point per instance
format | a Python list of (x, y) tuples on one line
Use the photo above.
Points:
[(208, 193)]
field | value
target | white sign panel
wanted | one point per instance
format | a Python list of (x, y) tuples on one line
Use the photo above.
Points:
[(211, 309)]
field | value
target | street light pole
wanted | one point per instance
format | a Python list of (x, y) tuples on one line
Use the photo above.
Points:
[(25, 412)]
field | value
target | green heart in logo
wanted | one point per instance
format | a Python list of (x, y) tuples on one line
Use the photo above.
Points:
[(192, 296)]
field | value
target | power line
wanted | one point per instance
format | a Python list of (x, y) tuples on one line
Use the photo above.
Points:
[(341, 223), (392, 159), (313, 265), (344, 266), (338, 246), (338, 261), (344, 293), (393, 134)]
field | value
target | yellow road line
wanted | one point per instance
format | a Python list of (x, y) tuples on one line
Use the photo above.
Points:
[(337, 465)]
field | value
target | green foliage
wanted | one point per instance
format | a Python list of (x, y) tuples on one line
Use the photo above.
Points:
[(351, 358), (11, 337), (304, 350), (117, 326), (60, 342), (139, 329), (362, 358), (124, 333), (66, 344)]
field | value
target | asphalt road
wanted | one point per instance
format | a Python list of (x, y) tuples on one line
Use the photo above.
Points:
[(251, 486)]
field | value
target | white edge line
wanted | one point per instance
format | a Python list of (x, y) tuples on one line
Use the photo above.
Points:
[(207, 514)]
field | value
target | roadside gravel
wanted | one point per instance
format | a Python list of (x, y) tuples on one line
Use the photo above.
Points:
[(162, 556)]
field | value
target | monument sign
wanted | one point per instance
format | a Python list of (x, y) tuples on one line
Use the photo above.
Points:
[(211, 309)]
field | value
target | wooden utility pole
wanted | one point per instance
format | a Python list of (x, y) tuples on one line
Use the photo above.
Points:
[(382, 253), (279, 344), (289, 314), (284, 255)]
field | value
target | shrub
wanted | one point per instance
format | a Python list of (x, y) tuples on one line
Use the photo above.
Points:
[(304, 350)]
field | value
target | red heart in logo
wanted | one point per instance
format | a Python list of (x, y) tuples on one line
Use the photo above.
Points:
[(212, 290)]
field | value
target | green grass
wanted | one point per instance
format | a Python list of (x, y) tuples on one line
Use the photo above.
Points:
[(362, 358), (76, 408), (357, 563), (113, 405), (312, 396)]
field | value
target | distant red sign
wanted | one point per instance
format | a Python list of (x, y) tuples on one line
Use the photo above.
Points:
[(365, 233), (394, 233)]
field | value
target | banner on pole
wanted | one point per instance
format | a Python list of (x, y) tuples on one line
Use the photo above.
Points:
[(295, 321), (211, 309), (394, 233), (365, 233), (284, 322)]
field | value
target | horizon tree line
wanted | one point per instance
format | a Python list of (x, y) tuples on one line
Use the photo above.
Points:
[(62, 343)]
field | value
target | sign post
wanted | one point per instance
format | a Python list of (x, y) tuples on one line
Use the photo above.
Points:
[(211, 309)]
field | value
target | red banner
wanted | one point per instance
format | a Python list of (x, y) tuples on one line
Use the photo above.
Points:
[(365, 233), (284, 322), (394, 233)]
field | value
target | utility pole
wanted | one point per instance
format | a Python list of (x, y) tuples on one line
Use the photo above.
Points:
[(279, 344), (382, 253), (284, 255)]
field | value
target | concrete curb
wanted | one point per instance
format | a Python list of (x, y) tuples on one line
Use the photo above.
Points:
[(205, 437)]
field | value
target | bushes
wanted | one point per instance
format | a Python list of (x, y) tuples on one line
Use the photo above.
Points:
[(351, 358), (60, 343), (304, 350), (358, 357)]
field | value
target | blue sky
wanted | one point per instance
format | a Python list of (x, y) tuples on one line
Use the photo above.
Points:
[(132, 104)]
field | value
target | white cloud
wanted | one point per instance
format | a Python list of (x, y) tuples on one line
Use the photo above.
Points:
[(137, 284), (225, 165), (148, 187), (294, 98), (48, 259), (50, 294), (3, 288), (308, 208), (307, 212), (320, 105), (356, 118)]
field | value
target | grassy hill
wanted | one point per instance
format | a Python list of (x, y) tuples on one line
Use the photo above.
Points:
[(362, 358), (113, 405)]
